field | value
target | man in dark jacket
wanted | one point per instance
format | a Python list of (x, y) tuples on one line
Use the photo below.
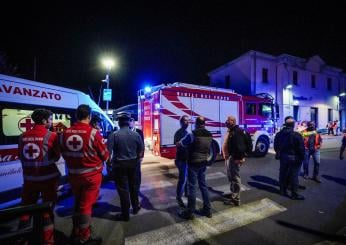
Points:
[(289, 148), (181, 159), (198, 143)]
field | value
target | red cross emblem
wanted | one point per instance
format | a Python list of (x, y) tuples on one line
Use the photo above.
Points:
[(25, 124), (31, 151), (74, 142)]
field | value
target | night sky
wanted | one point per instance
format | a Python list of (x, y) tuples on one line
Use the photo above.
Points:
[(160, 43)]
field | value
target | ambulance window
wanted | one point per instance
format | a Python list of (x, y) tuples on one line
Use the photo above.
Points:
[(61, 121), (15, 121), (265, 110), (250, 109)]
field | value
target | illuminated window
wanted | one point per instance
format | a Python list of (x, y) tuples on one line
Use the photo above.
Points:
[(265, 110)]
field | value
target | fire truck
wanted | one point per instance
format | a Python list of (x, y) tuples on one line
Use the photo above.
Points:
[(160, 108)]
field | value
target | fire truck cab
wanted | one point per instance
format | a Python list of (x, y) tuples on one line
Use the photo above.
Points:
[(18, 99), (160, 108)]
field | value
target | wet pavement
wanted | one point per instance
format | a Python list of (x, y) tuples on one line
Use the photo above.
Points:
[(264, 217)]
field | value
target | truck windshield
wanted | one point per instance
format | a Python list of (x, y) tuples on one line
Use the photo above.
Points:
[(265, 110)]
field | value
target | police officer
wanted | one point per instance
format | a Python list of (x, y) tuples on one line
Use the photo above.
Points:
[(198, 143), (84, 152), (38, 152), (181, 160), (127, 148), (289, 148)]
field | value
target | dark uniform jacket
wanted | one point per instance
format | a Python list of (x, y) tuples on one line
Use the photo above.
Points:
[(289, 145)]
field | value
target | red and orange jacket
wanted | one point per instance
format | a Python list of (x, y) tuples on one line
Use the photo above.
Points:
[(318, 140), (83, 149), (38, 152)]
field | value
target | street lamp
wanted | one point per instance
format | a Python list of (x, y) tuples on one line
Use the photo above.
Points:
[(108, 63)]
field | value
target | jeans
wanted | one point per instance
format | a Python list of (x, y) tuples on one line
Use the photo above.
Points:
[(316, 158), (181, 185), (233, 174), (197, 174), (289, 172)]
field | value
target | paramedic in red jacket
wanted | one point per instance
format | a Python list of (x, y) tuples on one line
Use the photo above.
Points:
[(38, 152), (84, 152)]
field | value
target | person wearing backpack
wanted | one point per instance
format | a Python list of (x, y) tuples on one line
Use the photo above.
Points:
[(289, 148), (237, 144), (312, 144)]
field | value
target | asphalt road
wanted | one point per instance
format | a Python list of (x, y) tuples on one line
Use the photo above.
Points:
[(264, 217)]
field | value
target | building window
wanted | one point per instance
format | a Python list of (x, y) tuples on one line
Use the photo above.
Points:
[(227, 81), (330, 115), (295, 78), (265, 75), (295, 112), (329, 84), (313, 81), (250, 109)]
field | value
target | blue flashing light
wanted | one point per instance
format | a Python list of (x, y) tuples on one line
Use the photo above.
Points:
[(147, 89)]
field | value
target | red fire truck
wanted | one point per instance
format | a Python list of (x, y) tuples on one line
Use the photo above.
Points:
[(160, 108)]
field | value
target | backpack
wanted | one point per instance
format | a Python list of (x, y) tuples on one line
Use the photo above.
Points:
[(311, 142)]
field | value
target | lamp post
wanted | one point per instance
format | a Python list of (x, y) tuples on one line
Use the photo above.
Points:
[(108, 63)]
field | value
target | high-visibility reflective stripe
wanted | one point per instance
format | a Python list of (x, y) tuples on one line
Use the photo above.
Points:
[(40, 178), (45, 146), (37, 164), (91, 151), (84, 170)]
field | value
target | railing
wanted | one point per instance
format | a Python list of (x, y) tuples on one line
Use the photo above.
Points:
[(8, 225)]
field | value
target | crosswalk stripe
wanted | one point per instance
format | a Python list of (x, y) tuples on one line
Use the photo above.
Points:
[(202, 228), (155, 184)]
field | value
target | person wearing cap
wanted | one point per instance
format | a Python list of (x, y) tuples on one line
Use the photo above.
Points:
[(138, 170), (198, 143), (289, 148), (126, 147), (312, 144), (84, 151)]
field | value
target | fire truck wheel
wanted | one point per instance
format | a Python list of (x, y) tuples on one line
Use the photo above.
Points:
[(213, 153), (262, 146)]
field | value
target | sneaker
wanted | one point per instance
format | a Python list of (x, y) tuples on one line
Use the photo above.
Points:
[(136, 209), (316, 179), (180, 202), (296, 196), (203, 212), (91, 241), (231, 202), (305, 176), (186, 215), (301, 187)]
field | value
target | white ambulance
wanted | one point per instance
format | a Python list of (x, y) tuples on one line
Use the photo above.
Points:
[(160, 108), (18, 99)]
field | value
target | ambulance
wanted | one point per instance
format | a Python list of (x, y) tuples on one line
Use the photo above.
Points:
[(160, 108), (18, 99)]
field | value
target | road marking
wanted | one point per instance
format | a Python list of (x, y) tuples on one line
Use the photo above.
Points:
[(202, 228), (155, 184)]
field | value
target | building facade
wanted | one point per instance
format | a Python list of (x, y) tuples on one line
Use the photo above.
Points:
[(307, 89)]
